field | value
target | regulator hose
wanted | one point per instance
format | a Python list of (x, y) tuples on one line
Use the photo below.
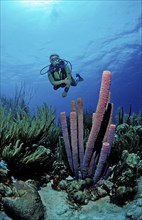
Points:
[(43, 71)]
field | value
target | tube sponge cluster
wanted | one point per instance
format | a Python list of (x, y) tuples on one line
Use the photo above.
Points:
[(90, 160)]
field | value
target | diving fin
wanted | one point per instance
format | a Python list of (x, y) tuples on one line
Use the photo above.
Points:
[(79, 77)]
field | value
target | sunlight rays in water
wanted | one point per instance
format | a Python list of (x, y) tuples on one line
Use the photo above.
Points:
[(38, 2)]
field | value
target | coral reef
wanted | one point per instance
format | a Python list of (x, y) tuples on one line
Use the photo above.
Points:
[(90, 161), (103, 156), (130, 119), (121, 186), (24, 202), (21, 100), (30, 130), (127, 137), (124, 178), (26, 143)]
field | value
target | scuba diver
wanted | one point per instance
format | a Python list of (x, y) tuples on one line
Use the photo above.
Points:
[(59, 74)]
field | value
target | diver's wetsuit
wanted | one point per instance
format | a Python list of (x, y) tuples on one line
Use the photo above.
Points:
[(58, 73)]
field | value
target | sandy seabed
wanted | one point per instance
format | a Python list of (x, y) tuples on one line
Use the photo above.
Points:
[(58, 208)]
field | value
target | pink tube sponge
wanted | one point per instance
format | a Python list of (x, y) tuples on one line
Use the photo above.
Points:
[(80, 131), (96, 125)]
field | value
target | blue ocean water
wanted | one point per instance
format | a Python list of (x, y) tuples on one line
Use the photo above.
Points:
[(93, 35)]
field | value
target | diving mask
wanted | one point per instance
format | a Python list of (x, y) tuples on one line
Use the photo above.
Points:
[(55, 60)]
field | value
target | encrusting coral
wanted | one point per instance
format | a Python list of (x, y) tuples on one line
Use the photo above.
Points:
[(127, 137), (90, 161), (124, 178)]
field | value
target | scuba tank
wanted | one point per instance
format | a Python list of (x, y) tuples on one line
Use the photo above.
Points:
[(51, 68)]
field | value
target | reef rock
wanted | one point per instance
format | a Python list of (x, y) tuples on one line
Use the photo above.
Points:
[(26, 204), (134, 209), (125, 178)]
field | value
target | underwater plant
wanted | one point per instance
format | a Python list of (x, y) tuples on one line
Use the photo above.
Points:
[(28, 129), (26, 139), (131, 118), (20, 100), (87, 118), (127, 137), (90, 161), (124, 179)]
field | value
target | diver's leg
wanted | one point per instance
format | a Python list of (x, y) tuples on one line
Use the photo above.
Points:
[(74, 82), (56, 87), (77, 80), (64, 94)]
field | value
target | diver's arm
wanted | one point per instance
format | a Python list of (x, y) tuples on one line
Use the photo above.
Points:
[(68, 72), (53, 82), (68, 79)]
